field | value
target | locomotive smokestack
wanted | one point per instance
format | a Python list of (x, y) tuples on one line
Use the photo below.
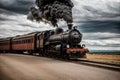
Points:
[(70, 26)]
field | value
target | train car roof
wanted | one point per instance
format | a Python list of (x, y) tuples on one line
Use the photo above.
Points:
[(4, 39), (26, 35)]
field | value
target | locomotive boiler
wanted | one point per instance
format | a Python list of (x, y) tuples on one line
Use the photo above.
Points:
[(71, 37)]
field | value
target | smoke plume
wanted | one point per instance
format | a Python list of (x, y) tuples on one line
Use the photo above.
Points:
[(52, 11)]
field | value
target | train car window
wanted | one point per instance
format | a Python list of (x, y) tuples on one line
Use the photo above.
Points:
[(37, 37), (20, 42), (28, 40), (23, 41), (31, 40)]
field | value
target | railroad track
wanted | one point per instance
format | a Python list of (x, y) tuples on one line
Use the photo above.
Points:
[(84, 61), (109, 66)]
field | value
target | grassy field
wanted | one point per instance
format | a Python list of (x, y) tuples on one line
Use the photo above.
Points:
[(106, 58)]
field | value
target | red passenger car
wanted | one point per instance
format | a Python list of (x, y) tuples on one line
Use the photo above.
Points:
[(5, 44), (24, 42)]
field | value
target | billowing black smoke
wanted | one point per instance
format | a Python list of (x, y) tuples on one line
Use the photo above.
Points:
[(52, 11)]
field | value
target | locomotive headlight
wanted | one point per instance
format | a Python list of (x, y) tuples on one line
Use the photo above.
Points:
[(68, 46), (83, 45)]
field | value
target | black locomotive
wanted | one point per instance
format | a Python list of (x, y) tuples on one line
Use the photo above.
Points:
[(52, 43), (65, 44)]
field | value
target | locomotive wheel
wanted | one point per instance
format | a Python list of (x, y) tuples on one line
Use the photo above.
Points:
[(66, 57), (63, 51)]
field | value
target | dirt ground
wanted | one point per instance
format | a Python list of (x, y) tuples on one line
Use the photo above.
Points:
[(26, 67), (115, 59)]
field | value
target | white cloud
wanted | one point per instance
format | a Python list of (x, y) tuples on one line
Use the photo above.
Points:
[(96, 10), (20, 25), (102, 48), (102, 44), (7, 2), (93, 42)]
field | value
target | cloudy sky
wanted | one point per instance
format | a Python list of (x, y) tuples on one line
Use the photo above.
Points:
[(98, 20)]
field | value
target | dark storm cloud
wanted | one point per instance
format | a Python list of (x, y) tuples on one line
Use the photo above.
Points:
[(100, 36), (25, 25), (100, 26), (101, 17), (18, 6), (6, 12), (109, 37), (3, 19)]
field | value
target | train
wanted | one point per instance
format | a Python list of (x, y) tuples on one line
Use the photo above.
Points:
[(51, 43)]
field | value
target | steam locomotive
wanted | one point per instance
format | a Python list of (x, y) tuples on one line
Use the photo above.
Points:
[(51, 43)]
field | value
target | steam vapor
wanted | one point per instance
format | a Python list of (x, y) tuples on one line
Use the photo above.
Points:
[(52, 11)]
